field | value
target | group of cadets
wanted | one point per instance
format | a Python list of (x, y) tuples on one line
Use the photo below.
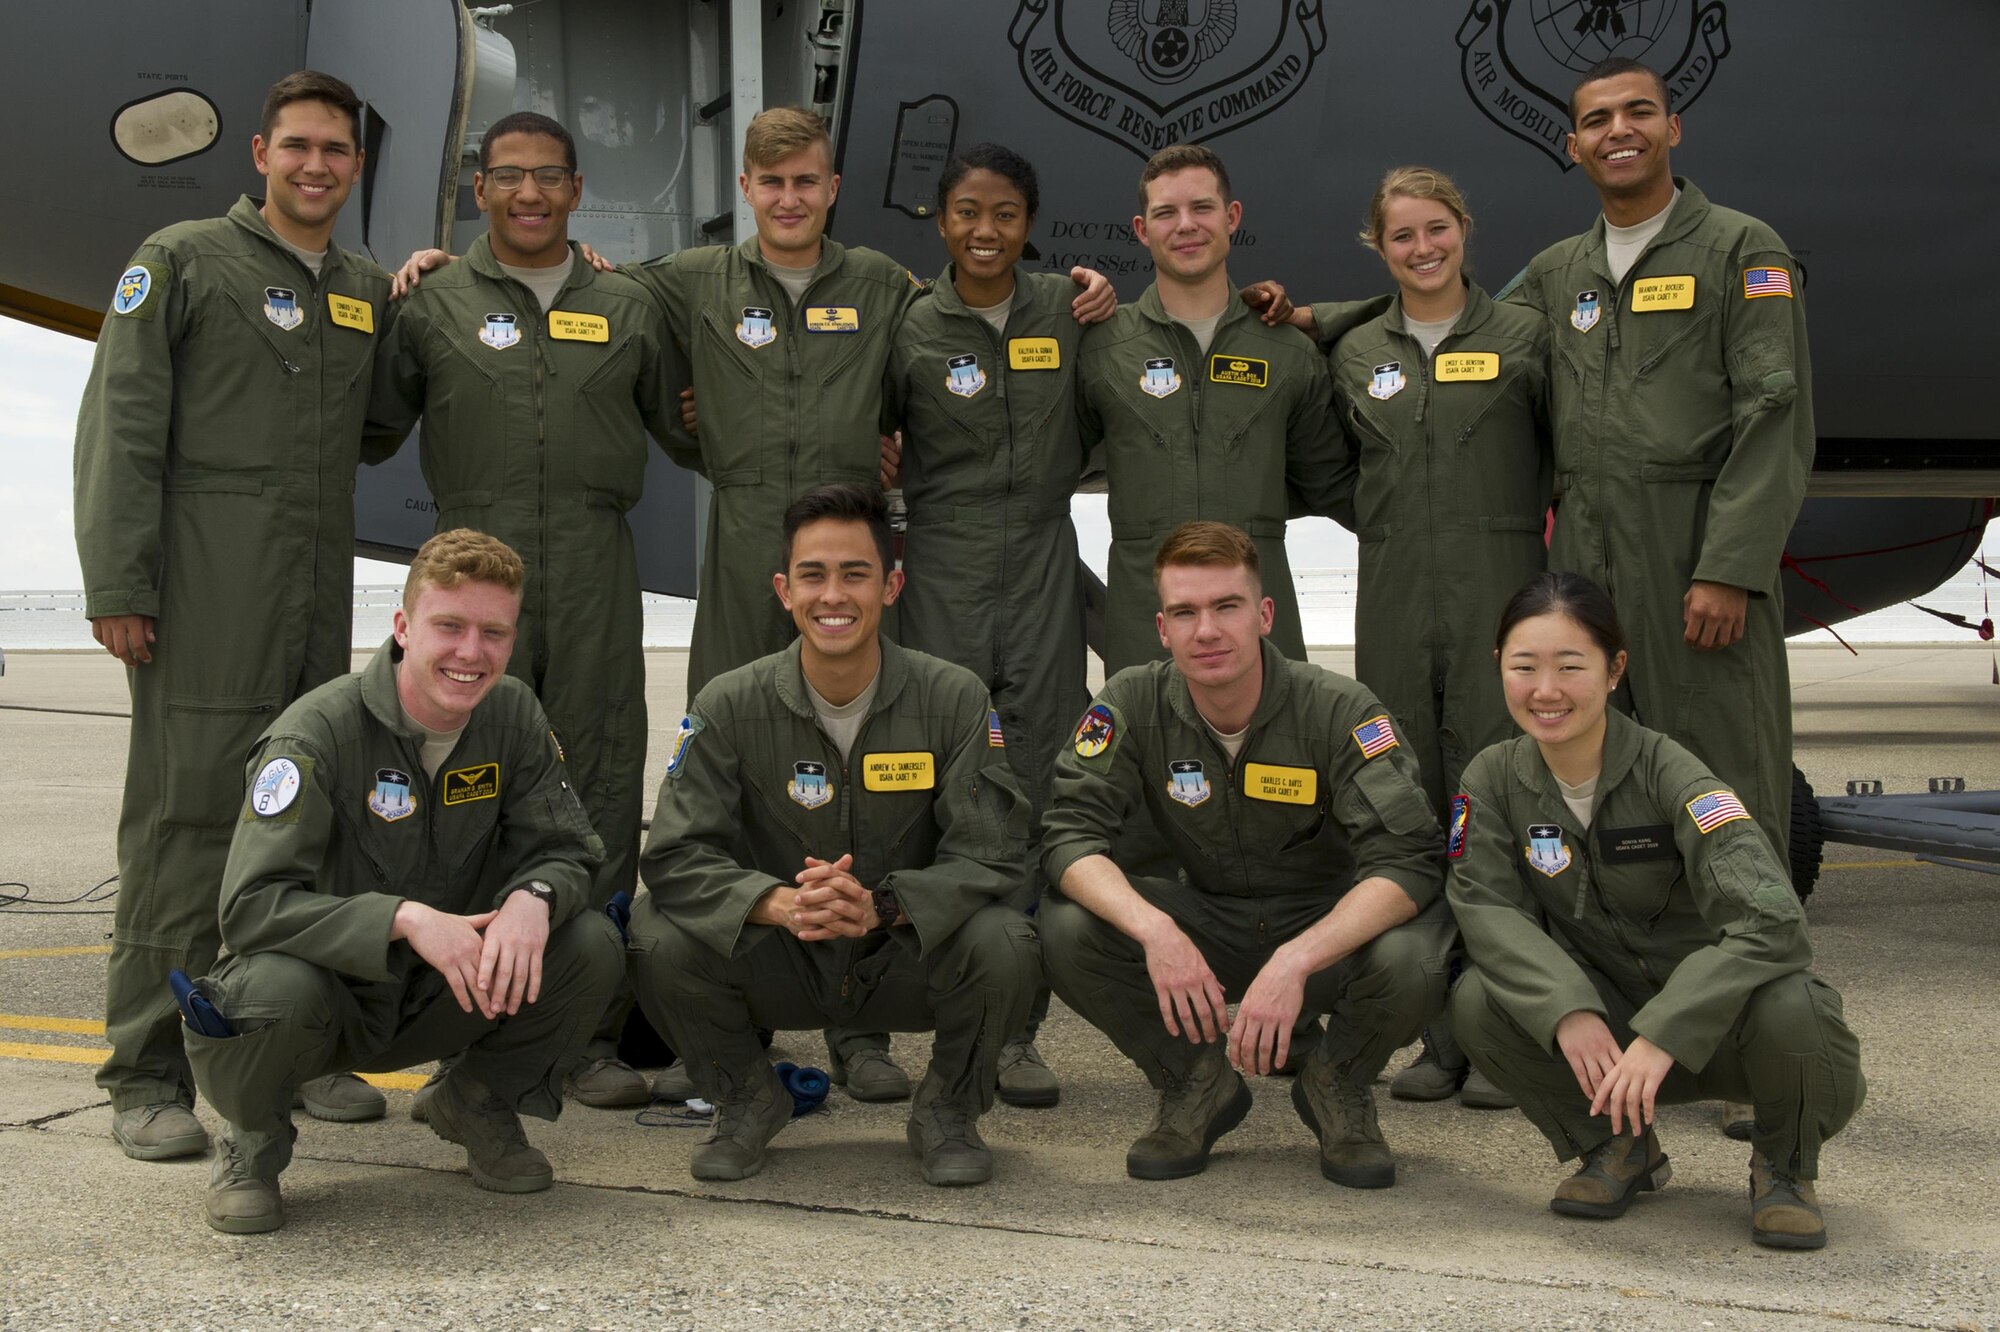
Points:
[(880, 813)]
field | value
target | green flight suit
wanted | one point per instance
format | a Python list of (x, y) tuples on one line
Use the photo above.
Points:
[(1670, 917), (929, 809), (1451, 493), (534, 430), (215, 457), (1320, 798), (991, 457), (1684, 438), (790, 398), (1240, 436), (340, 826)]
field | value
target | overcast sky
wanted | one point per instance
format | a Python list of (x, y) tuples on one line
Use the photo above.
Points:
[(41, 383)]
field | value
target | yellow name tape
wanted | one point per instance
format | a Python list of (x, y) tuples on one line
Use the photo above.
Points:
[(350, 313), (570, 326), (1281, 784), (1034, 354), (1238, 370), (833, 319), (1462, 367), (898, 772), (464, 785), (1663, 293)]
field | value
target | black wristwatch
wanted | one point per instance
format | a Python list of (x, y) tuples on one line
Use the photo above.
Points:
[(535, 888), (887, 909)]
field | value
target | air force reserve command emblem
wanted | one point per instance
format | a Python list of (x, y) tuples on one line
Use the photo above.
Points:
[(281, 307), (500, 331), (391, 800), (134, 285), (1160, 378), (1187, 782), (1521, 58), (1545, 849), (756, 330), (963, 375), (809, 787), (1149, 73)]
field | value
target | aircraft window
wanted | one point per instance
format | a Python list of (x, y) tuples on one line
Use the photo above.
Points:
[(166, 127)]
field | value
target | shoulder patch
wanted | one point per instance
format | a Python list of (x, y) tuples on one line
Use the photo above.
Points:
[(1711, 811), (1097, 732), (135, 284), (276, 788), (1767, 282), (1459, 825), (1375, 736), (691, 727), (994, 738)]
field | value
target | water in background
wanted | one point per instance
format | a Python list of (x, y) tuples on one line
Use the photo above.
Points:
[(1326, 603)]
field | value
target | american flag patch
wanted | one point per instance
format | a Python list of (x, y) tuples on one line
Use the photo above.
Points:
[(994, 740), (1715, 809), (1375, 737), (1766, 282)]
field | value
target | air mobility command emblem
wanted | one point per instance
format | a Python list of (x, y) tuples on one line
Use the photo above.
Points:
[(391, 799), (134, 285), (756, 330), (1097, 730), (1187, 782), (963, 375), (809, 787), (1458, 826), (501, 331), (1386, 381), (275, 787), (1160, 379), (281, 307), (1375, 736), (1711, 811), (683, 741), (1584, 317), (1545, 849), (1520, 58)]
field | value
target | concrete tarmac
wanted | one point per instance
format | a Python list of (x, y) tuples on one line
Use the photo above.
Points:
[(387, 1231)]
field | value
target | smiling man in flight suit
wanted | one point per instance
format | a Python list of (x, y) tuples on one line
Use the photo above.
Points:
[(409, 879), (537, 378), (215, 458), (1309, 874), (838, 839)]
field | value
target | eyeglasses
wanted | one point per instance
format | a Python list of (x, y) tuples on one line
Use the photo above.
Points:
[(510, 177)]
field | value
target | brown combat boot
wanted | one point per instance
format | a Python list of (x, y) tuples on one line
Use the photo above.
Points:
[(1784, 1212), (1611, 1176), (1196, 1108), (1339, 1107)]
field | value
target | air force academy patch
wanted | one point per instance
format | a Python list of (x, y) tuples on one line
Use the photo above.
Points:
[(281, 307), (1545, 849)]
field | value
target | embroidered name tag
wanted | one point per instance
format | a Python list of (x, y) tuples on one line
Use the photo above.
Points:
[(464, 785), (1238, 370), (833, 319), (1624, 846), (1663, 293), (1463, 367), (570, 326), (898, 772), (350, 313), (1034, 354), (1281, 784)]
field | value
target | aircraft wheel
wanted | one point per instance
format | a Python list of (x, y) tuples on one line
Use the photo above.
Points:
[(1808, 840)]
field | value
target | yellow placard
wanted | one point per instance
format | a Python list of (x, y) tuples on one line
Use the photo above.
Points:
[(572, 326), (833, 319), (1663, 293), (349, 312), (1246, 370), (1034, 354), (1281, 784), (898, 772), (464, 785), (1463, 367)]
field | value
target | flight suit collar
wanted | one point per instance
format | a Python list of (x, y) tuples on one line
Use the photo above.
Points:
[(378, 691), (944, 292), (247, 213), (483, 261), (831, 252), (1478, 309), (1622, 738), (1153, 308), (1690, 211), (791, 680), (1276, 695)]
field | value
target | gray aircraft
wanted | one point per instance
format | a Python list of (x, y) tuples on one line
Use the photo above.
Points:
[(127, 115)]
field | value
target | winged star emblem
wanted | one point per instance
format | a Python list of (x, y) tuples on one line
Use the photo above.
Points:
[(1169, 46)]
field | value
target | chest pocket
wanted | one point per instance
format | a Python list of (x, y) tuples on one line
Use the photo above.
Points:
[(1638, 890)]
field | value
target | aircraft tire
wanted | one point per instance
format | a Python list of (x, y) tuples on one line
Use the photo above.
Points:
[(1808, 839)]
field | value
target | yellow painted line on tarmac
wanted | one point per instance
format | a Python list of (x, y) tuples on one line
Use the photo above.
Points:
[(89, 950), (69, 1026), (84, 1054), (1874, 864)]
